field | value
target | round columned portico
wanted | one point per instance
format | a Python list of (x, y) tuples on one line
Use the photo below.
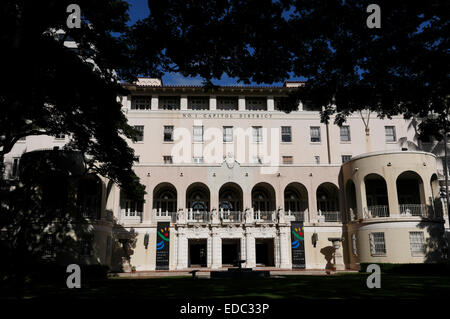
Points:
[(394, 208)]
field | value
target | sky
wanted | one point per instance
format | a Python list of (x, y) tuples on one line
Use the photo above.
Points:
[(139, 10)]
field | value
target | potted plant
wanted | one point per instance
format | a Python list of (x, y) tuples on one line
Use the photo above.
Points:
[(133, 269)]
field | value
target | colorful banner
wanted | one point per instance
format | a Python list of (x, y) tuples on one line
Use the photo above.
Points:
[(298, 245), (162, 245)]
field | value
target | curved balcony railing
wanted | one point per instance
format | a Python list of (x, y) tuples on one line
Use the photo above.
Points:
[(377, 211), (420, 210)]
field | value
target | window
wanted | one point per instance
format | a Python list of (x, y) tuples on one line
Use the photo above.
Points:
[(256, 104), (377, 244), (354, 249), (257, 134), (346, 158), (198, 103), (227, 103), (168, 133), (140, 133), (317, 159), (141, 102), (169, 103), (288, 160), (198, 160), (315, 134), (60, 136), (228, 134), (198, 133), (417, 243), (167, 159), (345, 133), (15, 167), (390, 133), (286, 134)]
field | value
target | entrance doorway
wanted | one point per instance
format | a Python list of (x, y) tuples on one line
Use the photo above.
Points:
[(197, 252), (231, 251), (264, 252)]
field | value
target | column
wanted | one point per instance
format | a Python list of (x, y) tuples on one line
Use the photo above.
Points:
[(182, 250), (250, 251), (270, 104), (216, 243), (212, 103), (154, 105), (361, 201), (241, 103), (183, 103), (392, 197), (284, 248)]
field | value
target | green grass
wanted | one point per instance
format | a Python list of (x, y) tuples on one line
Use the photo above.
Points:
[(307, 287)]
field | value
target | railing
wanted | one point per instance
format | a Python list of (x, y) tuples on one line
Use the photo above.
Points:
[(377, 211), (263, 216), (172, 215), (330, 216), (298, 216), (198, 216), (420, 210), (229, 216), (131, 216)]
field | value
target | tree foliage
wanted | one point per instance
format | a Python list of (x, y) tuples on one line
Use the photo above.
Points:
[(401, 67), (51, 89)]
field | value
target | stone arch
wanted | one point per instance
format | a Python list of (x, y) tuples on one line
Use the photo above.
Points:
[(263, 197), (295, 197), (327, 196), (198, 197), (165, 197), (231, 197), (89, 196)]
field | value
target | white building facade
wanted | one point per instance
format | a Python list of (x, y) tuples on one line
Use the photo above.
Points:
[(230, 177)]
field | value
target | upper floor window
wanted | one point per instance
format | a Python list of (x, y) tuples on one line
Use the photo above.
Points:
[(168, 159), (345, 133), (390, 133), (377, 244), (141, 102), (417, 243), (287, 160), (315, 133), (198, 103), (346, 158), (169, 103), (227, 103), (140, 133), (256, 103), (198, 133), (228, 134), (286, 134), (168, 133), (257, 134)]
